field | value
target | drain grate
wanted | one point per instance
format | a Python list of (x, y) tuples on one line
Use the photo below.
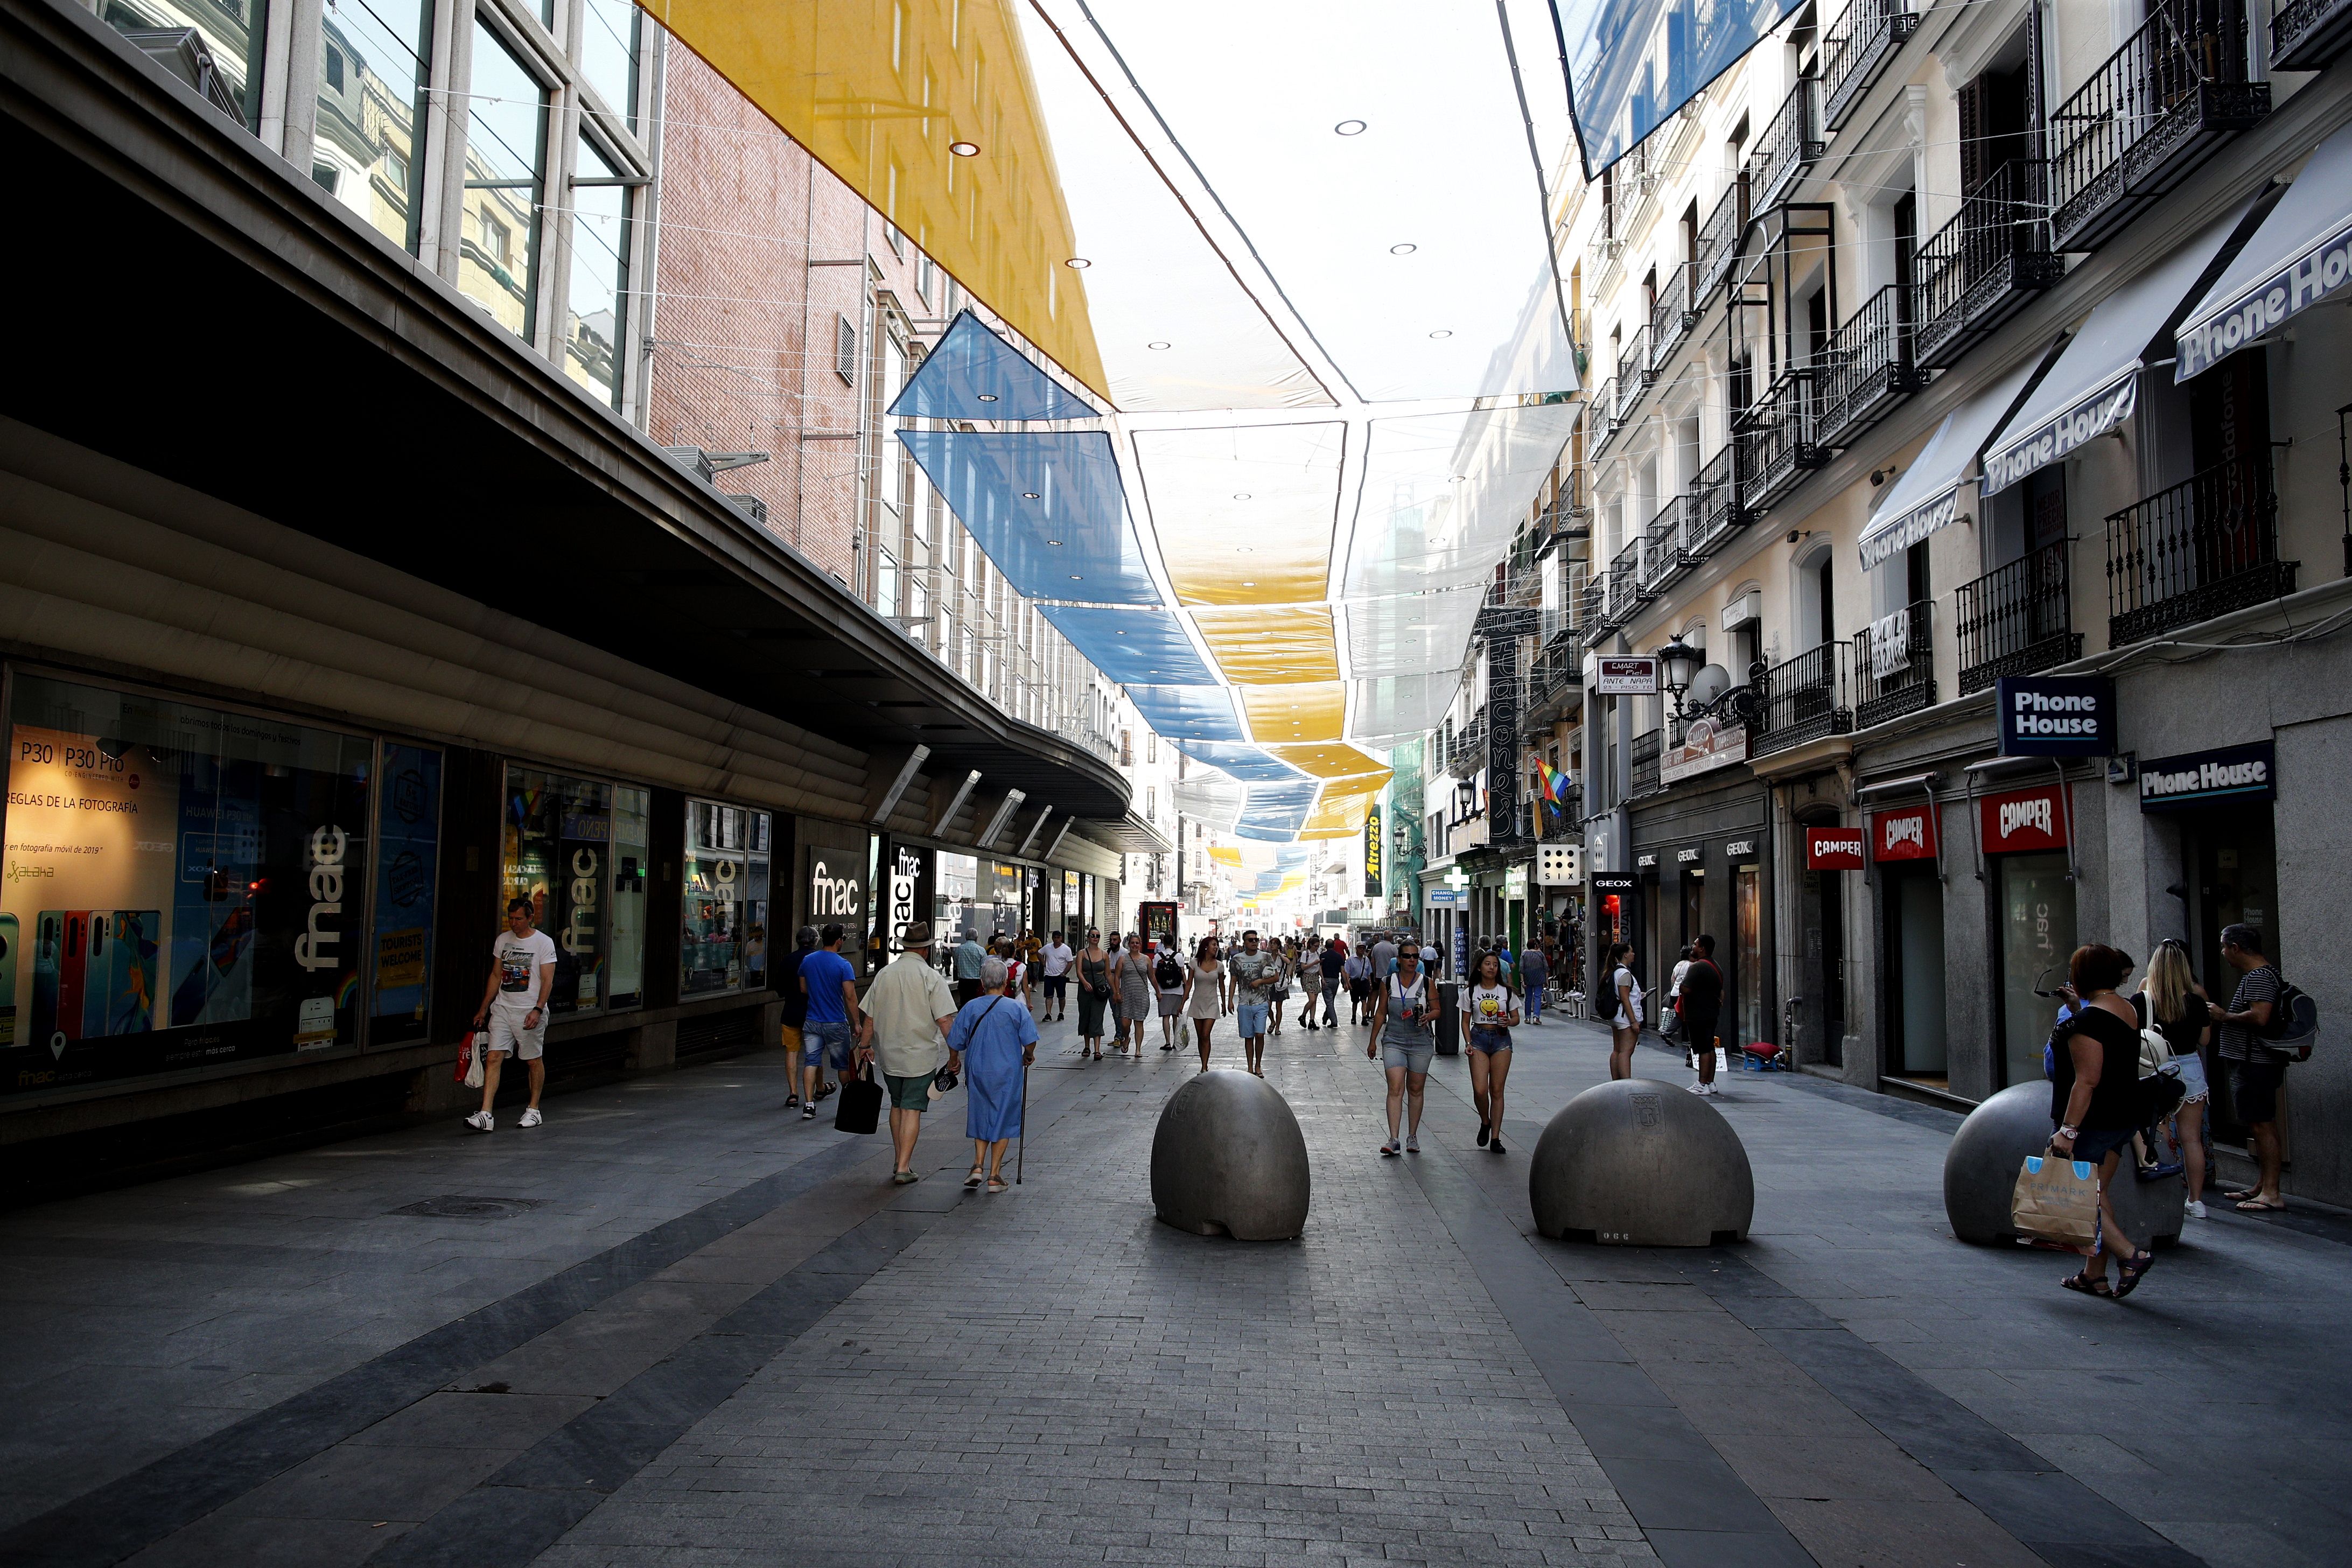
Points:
[(458, 1207)]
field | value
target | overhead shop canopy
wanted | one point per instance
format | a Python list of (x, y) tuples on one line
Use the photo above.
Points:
[(2300, 256), (1396, 707), (1276, 812), (1341, 762), (1245, 514), (973, 374), (1188, 712), (1271, 646), (1047, 508), (1411, 633), (1925, 496), (2094, 384), (1216, 804), (1635, 63), (1142, 645), (1246, 763), (1443, 494), (1308, 710)]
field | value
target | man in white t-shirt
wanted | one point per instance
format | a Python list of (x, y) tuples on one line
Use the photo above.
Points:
[(1058, 957), (514, 1009)]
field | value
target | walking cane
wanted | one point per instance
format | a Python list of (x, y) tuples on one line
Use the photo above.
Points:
[(1020, 1155)]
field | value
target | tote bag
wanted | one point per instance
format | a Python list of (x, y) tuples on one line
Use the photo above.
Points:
[(860, 1106), (2057, 1200)]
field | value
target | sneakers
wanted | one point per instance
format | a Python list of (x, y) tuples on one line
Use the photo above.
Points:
[(531, 1117), (1390, 1149), (1413, 1145), (1496, 1147), (2194, 1209), (482, 1121), (1708, 1089), (1698, 1088), (1483, 1130), (808, 1111)]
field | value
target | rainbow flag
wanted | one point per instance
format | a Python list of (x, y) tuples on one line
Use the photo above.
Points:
[(1555, 783)]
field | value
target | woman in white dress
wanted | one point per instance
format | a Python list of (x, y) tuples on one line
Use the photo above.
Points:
[(1205, 1002)]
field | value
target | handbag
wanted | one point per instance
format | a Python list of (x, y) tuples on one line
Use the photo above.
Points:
[(2057, 1202), (470, 1058), (859, 1108)]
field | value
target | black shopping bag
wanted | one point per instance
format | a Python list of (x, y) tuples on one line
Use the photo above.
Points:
[(859, 1108)]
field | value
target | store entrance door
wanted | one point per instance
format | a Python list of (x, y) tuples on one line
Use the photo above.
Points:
[(1823, 969), (2037, 938), (2233, 853), (1747, 957), (1913, 899)]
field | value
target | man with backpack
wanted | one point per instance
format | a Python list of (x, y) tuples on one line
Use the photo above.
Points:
[(1167, 979), (1702, 1007), (2254, 1070)]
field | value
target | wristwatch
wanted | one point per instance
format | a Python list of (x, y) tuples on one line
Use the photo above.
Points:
[(2070, 1133)]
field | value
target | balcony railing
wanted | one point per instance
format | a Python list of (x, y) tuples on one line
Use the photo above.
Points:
[(2159, 105), (1894, 667), (1802, 699), (1715, 489), (1780, 447), (1671, 542), (2309, 34), (1644, 757), (1603, 412), (1981, 267), (2016, 619), (1625, 594), (1635, 370), (1855, 49), (1719, 241), (1791, 144), (1868, 369), (1592, 613), (2204, 547), (1672, 316)]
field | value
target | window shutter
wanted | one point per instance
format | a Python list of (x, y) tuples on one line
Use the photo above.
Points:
[(1973, 131), (845, 350)]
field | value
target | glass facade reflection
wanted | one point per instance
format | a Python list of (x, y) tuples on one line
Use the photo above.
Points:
[(230, 33), (632, 854), (372, 82), (506, 169), (598, 307), (557, 853), (724, 945), (610, 34)]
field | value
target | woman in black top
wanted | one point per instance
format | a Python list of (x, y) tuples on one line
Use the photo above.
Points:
[(2173, 1002), (2094, 1096)]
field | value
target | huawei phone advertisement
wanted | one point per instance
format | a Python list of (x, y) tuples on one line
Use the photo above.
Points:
[(184, 887)]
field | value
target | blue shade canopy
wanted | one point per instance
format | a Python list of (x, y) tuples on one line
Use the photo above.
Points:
[(1245, 763), (1047, 508), (1186, 713), (1632, 64), (1276, 811), (975, 375), (1132, 647)]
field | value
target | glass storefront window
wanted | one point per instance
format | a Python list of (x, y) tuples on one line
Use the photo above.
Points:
[(955, 903), (631, 854), (598, 311), (230, 31), (2037, 940), (408, 852), (183, 886), (724, 946), (506, 169), (1005, 898), (557, 849), (372, 86), (610, 38)]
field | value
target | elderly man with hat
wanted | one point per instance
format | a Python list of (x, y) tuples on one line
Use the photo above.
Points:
[(907, 1011)]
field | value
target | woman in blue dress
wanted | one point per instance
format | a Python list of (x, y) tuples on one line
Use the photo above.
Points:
[(999, 1040)]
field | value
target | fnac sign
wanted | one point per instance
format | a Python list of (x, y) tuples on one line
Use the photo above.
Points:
[(1833, 849), (1905, 834)]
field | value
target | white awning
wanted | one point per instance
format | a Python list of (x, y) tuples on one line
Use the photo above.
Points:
[(2095, 382), (1924, 496), (2301, 255)]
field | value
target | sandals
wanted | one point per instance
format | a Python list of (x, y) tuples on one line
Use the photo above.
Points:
[(971, 1183), (2088, 1286), (2255, 1205), (999, 1186), (2128, 1275)]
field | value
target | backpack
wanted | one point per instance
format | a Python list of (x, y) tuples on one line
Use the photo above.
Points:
[(2295, 1021), (1168, 973)]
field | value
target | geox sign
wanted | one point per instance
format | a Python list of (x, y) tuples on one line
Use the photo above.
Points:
[(2233, 772)]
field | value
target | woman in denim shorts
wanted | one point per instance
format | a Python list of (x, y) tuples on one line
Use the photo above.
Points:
[(1405, 1038), (1489, 1008)]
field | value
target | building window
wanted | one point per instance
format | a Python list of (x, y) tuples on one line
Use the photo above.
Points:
[(227, 66), (725, 941), (593, 343), (1151, 807), (371, 102), (610, 35), (1152, 746), (191, 888), (845, 350), (557, 850), (506, 169)]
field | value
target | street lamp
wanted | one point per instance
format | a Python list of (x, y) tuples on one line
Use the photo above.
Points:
[(1402, 838), (1677, 662)]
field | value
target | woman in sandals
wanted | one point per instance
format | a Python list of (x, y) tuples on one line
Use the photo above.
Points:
[(1488, 1012), (1206, 1003), (2094, 1100), (2177, 1009), (998, 1040), (1094, 992)]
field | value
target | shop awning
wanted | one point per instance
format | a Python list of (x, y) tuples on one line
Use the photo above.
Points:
[(2094, 384), (2301, 255), (1924, 496)]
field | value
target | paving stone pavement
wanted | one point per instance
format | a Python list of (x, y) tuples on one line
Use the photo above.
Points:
[(696, 1331)]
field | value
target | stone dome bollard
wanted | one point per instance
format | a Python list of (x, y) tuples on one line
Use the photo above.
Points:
[(1642, 1163), (1980, 1173), (1228, 1157)]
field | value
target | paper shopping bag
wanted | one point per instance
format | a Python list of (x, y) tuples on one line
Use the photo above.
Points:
[(2057, 1200)]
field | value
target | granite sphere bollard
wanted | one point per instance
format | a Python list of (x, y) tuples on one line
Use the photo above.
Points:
[(1642, 1163), (1982, 1164), (1228, 1157)]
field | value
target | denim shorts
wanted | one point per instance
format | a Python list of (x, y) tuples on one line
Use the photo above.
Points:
[(1249, 1019), (2191, 1071), (1413, 1059), (1488, 1039), (823, 1044)]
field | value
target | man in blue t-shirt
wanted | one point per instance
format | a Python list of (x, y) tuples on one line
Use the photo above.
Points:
[(830, 1032)]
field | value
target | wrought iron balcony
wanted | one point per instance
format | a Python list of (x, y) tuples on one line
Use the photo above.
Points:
[(1855, 49), (1719, 241), (1625, 594), (1635, 370), (1672, 317), (1602, 406), (1981, 269), (1644, 755), (1895, 667), (1670, 544), (1716, 489), (2016, 619), (1592, 612), (1791, 144), (2205, 546), (1867, 370), (1802, 698), (1780, 447), (2160, 106), (2309, 34)]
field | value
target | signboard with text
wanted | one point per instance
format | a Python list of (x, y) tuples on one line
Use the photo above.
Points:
[(1833, 849), (2055, 715), (1627, 678), (1907, 834), (2023, 820), (2235, 773), (1705, 746)]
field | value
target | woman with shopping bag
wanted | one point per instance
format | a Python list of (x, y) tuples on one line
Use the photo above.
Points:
[(2095, 1102)]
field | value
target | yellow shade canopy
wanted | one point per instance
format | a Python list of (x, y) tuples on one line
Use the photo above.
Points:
[(1270, 647), (1245, 515), (1308, 710), (1332, 761), (1339, 815), (882, 92)]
